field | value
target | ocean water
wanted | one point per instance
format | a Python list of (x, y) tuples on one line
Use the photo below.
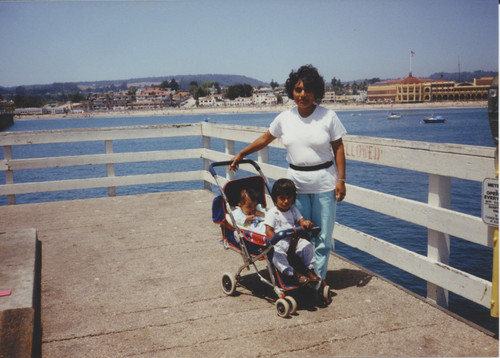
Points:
[(464, 126)]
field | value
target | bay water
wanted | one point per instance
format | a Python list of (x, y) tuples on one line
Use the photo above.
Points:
[(468, 126)]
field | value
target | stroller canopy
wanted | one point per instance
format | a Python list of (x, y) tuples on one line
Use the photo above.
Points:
[(233, 189)]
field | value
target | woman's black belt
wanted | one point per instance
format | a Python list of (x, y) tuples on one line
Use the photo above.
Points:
[(312, 167)]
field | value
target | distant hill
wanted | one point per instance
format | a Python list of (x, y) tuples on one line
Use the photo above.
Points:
[(182, 80), (98, 86), (462, 76)]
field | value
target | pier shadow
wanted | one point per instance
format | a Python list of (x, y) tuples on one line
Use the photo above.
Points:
[(252, 283), (253, 286), (345, 278), (336, 279)]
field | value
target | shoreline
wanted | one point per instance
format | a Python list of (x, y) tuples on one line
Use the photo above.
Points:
[(253, 109)]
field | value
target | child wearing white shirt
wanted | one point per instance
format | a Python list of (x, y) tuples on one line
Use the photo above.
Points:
[(286, 216)]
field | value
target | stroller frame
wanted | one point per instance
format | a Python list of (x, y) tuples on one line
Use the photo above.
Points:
[(252, 246)]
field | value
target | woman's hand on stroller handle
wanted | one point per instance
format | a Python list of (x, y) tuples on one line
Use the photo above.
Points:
[(234, 165), (230, 163)]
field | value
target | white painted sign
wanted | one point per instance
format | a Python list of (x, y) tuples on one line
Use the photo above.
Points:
[(489, 204)]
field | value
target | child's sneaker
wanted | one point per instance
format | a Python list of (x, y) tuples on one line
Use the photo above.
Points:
[(300, 278), (312, 277)]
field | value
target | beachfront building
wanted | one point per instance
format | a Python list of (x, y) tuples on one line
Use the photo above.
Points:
[(107, 101), (329, 97), (144, 105), (240, 101), (219, 99), (153, 94), (411, 90), (270, 99), (28, 111), (264, 95), (179, 98), (361, 96), (344, 98), (417, 90), (466, 91), (382, 92), (206, 101), (79, 108), (55, 109)]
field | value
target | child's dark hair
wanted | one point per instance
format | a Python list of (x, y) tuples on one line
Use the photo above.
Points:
[(250, 193), (284, 187), (312, 80)]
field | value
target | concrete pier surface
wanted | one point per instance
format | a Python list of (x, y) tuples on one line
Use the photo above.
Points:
[(140, 276)]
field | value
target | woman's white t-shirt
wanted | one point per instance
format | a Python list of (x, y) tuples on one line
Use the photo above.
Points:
[(308, 142)]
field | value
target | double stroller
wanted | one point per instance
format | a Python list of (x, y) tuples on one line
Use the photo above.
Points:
[(255, 247)]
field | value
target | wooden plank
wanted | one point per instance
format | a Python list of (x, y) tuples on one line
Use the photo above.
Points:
[(458, 224), (96, 159), (473, 150), (462, 283), (425, 157), (74, 184), (99, 134)]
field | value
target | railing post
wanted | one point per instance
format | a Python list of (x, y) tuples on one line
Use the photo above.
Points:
[(263, 155), (110, 167), (9, 174), (229, 150), (438, 243), (206, 163)]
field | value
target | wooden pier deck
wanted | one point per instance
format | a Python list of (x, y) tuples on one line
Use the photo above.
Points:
[(139, 276)]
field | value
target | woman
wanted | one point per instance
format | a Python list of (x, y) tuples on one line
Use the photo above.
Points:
[(312, 136)]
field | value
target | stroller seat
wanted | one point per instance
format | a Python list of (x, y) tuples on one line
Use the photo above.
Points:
[(221, 216)]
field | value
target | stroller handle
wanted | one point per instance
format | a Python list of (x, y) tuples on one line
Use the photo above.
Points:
[(315, 230), (229, 162)]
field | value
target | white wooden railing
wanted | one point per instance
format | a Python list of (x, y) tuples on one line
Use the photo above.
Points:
[(440, 161)]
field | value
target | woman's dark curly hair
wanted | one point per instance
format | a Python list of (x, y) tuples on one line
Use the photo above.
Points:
[(284, 187), (312, 80)]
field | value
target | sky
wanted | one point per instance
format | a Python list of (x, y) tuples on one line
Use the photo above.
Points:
[(72, 41)]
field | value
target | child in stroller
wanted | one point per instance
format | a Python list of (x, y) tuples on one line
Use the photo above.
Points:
[(249, 213), (293, 256), (254, 247)]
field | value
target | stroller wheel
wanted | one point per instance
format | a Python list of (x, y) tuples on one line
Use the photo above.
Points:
[(293, 304), (327, 295), (228, 284), (283, 307)]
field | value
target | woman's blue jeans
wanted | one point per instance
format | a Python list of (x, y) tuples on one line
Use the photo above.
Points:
[(321, 209)]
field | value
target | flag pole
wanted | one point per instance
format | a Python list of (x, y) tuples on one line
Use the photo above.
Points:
[(411, 55)]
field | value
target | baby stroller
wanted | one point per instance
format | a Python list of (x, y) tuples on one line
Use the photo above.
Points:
[(253, 246)]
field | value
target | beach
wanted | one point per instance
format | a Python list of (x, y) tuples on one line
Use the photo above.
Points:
[(191, 109)]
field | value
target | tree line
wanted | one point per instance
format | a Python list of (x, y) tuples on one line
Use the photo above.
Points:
[(38, 96)]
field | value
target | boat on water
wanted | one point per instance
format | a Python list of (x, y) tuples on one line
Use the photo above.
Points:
[(394, 116), (435, 119), (6, 114)]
